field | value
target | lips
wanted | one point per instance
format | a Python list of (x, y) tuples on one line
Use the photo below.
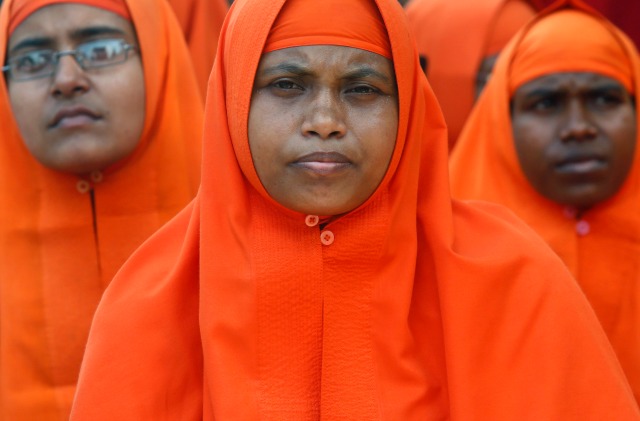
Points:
[(323, 163), (581, 164), (74, 116)]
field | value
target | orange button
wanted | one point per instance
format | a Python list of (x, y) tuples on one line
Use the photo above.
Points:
[(583, 228), (83, 186), (96, 176), (312, 220), (327, 238)]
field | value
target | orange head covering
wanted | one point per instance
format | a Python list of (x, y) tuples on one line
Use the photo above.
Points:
[(509, 19), (455, 36), (421, 308), (62, 237), (201, 21), (301, 24), (22, 9), (600, 247), (545, 50)]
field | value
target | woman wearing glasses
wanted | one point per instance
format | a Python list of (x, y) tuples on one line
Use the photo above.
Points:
[(100, 121)]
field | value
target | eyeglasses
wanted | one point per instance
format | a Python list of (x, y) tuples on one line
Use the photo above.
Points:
[(89, 55)]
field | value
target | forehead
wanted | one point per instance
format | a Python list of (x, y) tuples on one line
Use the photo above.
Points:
[(325, 58), (566, 81), (70, 21)]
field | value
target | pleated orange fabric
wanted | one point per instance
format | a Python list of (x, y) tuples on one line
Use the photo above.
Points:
[(601, 246), (201, 21), (421, 308), (62, 238), (454, 36)]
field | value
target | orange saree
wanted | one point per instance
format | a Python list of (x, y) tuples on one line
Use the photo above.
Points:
[(201, 21), (601, 246), (455, 36), (421, 308), (63, 237)]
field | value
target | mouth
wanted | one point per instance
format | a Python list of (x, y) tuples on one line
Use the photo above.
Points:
[(71, 117), (581, 165), (323, 163)]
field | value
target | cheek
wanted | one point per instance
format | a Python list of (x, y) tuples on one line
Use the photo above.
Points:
[(26, 106), (127, 100)]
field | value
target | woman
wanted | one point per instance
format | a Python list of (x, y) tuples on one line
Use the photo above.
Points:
[(100, 130), (323, 271), (460, 41), (555, 139)]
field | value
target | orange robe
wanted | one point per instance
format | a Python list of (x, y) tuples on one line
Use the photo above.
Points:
[(455, 36), (601, 248), (201, 21), (60, 244), (422, 308)]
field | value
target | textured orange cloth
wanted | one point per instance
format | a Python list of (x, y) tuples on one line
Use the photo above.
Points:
[(421, 309), (201, 21), (454, 36), (58, 250), (485, 166), (299, 25), (21, 9), (624, 13)]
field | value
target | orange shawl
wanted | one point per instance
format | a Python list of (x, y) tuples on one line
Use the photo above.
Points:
[(57, 252), (602, 248), (201, 21), (421, 309), (455, 36)]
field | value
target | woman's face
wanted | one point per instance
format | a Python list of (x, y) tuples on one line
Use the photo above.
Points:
[(77, 120), (575, 135), (322, 126)]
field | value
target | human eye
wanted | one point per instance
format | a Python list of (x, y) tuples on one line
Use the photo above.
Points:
[(363, 89), (285, 87), (104, 51), (607, 98), (32, 63), (544, 103)]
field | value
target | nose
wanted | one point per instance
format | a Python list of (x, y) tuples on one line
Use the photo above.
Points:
[(69, 78), (325, 116), (578, 125)]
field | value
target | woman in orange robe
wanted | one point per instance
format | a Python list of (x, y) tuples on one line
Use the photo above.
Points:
[(460, 40), (201, 21), (64, 236), (404, 305), (599, 241)]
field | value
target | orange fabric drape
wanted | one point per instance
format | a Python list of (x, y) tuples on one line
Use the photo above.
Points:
[(454, 36), (421, 309), (603, 259), (201, 21), (623, 13), (60, 244)]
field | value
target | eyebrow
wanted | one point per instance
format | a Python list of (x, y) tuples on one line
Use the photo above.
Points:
[(78, 34), (292, 68), (361, 72), (365, 71), (605, 87)]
